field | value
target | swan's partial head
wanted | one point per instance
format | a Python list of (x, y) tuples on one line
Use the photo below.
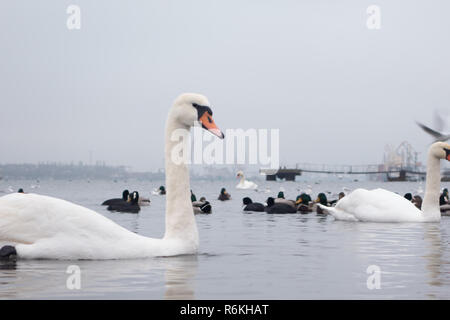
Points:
[(440, 150), (191, 107), (240, 174)]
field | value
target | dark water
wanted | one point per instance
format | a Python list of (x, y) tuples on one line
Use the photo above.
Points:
[(246, 256)]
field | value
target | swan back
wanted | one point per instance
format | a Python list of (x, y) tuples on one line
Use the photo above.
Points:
[(26, 218), (377, 205)]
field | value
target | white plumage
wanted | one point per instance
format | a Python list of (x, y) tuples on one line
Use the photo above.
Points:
[(245, 184), (377, 205), (48, 228), (42, 227), (380, 205)]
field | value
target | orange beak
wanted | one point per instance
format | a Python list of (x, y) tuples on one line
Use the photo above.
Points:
[(208, 123)]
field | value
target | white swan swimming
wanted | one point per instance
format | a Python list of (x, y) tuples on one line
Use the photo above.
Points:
[(384, 206), (245, 184), (40, 227)]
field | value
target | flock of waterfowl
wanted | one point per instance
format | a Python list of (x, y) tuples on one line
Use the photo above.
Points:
[(34, 226), (131, 202), (279, 205)]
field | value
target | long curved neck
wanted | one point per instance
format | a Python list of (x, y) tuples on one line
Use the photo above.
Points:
[(430, 203), (180, 220), (242, 179)]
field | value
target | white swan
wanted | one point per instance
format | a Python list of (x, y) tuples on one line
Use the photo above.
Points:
[(34, 226), (384, 206), (245, 184)]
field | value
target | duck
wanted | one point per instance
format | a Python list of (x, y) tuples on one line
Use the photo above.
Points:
[(381, 205), (249, 205), (160, 191), (280, 199), (131, 206), (417, 201), (36, 226), (273, 207), (444, 204), (444, 198), (202, 206), (245, 184), (340, 196), (303, 203), (224, 195), (322, 199), (124, 199)]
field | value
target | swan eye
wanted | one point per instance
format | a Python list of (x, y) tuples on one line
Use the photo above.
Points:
[(447, 154), (201, 110)]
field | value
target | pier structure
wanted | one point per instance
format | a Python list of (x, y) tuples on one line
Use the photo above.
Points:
[(399, 164), (282, 173), (389, 174)]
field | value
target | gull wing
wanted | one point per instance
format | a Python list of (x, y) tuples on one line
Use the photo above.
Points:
[(438, 136)]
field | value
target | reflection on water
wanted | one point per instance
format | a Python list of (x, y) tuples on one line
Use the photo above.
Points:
[(179, 277), (246, 256), (434, 256), (132, 279), (8, 265)]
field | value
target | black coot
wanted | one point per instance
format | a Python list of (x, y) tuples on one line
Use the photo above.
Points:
[(130, 207), (249, 205), (124, 198)]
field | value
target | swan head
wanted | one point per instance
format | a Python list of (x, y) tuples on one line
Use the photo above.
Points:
[(440, 150), (240, 174), (191, 107)]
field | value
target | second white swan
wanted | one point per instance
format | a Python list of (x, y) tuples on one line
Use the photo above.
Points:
[(384, 206), (245, 184)]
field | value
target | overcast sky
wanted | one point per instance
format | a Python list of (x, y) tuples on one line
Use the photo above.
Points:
[(337, 91)]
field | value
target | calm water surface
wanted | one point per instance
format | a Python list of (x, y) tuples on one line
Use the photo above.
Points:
[(245, 256)]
